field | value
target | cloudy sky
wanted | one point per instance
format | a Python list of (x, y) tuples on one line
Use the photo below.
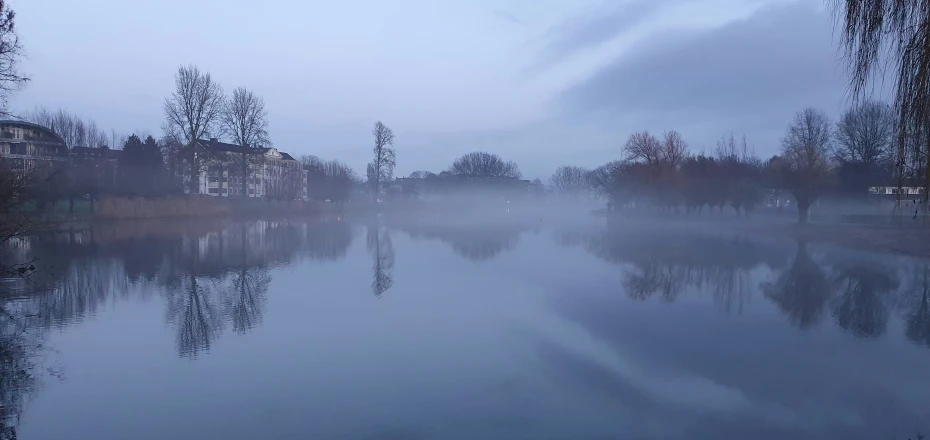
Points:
[(542, 82)]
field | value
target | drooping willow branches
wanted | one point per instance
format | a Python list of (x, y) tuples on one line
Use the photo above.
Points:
[(883, 37)]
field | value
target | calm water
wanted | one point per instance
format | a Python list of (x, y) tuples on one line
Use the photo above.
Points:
[(447, 329)]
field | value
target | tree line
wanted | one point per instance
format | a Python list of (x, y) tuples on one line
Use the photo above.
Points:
[(817, 157)]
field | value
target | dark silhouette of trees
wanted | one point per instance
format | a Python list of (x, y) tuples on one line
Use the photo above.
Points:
[(802, 290), (806, 151), (316, 177), (739, 175), (142, 168), (192, 112), (330, 180), (11, 79), (482, 165), (381, 168), (864, 137), (245, 121), (570, 180)]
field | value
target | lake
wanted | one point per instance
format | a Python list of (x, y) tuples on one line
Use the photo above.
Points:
[(456, 328)]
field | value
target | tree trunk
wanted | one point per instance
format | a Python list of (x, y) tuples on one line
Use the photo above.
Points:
[(71, 205), (803, 214), (194, 184)]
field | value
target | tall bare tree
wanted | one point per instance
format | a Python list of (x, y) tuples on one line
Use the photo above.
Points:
[(384, 160), (806, 152), (245, 121), (193, 111), (11, 79), (895, 35)]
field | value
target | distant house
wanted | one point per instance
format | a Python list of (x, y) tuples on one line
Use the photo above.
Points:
[(26, 147), (236, 171)]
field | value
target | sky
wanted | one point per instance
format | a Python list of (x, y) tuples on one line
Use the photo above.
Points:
[(542, 82)]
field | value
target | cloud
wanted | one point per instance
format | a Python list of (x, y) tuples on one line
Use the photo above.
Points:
[(749, 76), (596, 28)]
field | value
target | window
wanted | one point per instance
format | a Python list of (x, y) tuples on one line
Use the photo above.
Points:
[(251, 191), (214, 180), (214, 190)]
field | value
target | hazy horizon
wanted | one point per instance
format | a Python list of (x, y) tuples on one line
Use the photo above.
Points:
[(540, 83)]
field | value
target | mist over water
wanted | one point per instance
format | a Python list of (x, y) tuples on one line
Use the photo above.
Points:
[(514, 324)]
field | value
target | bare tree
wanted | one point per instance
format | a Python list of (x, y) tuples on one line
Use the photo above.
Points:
[(11, 50), (382, 167), (674, 150), (806, 151), (484, 165), (74, 130), (192, 112), (865, 133), (895, 35), (245, 120), (644, 147), (570, 180), (339, 180)]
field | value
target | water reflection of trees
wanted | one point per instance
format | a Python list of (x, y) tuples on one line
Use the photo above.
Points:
[(863, 301), (861, 293), (916, 304), (209, 277), (378, 240), (802, 290), (667, 264), (19, 346), (468, 241)]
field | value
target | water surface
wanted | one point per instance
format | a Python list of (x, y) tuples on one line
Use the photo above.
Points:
[(454, 329)]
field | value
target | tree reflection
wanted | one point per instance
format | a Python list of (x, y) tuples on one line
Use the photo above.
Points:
[(666, 264), (19, 346), (861, 307), (802, 290), (474, 243), (382, 254), (193, 312), (918, 317), (247, 295)]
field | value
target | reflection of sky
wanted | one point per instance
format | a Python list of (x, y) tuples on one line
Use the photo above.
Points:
[(540, 342)]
